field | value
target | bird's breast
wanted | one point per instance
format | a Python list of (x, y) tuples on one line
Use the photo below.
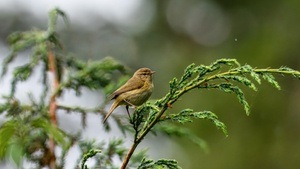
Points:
[(138, 96)]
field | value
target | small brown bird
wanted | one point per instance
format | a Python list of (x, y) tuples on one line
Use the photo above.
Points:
[(134, 92)]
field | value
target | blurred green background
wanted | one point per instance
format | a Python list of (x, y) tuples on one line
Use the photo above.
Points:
[(168, 35)]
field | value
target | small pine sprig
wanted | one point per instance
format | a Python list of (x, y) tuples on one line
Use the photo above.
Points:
[(162, 163), (88, 155), (105, 154), (187, 115), (92, 75), (224, 74)]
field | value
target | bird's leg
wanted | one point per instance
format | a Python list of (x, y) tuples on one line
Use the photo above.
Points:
[(127, 106), (128, 111), (130, 103)]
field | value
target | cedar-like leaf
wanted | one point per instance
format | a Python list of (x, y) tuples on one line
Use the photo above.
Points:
[(271, 79), (186, 115)]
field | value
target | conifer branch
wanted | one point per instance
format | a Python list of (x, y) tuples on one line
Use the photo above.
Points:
[(205, 77)]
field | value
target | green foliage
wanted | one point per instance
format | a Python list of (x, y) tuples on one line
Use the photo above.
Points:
[(92, 75), (181, 132), (186, 115), (23, 135), (207, 77), (103, 153), (29, 127), (88, 155), (223, 74), (160, 164)]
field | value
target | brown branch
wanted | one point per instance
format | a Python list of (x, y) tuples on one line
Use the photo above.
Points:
[(128, 156), (143, 134), (53, 105)]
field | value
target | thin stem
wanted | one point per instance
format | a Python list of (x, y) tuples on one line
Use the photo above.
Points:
[(79, 109), (277, 71), (53, 106), (129, 154), (141, 137)]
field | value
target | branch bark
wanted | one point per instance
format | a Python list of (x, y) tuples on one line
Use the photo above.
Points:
[(53, 105), (141, 136), (128, 156)]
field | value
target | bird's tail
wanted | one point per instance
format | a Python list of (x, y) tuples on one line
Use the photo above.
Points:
[(112, 108)]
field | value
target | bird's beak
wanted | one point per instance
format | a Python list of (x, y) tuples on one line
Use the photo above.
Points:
[(152, 72)]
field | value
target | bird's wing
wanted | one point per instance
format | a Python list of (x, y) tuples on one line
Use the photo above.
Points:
[(132, 84)]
